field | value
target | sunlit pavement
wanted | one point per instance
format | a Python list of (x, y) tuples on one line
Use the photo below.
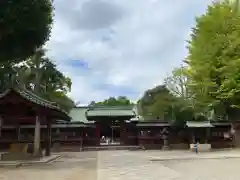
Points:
[(133, 165)]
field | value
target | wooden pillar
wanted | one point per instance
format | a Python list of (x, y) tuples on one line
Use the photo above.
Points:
[(193, 136), (208, 134), (234, 134), (49, 138), (97, 134), (18, 132), (81, 136), (37, 136), (122, 133), (112, 134), (1, 122), (140, 135)]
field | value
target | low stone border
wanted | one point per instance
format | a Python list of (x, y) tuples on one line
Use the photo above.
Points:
[(197, 157), (47, 161), (28, 163), (5, 164)]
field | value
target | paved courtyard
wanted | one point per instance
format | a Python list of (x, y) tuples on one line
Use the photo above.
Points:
[(133, 165)]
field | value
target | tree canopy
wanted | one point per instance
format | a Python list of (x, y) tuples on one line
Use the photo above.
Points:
[(156, 103), (177, 83), (112, 101), (25, 25), (40, 75), (214, 58), (160, 103)]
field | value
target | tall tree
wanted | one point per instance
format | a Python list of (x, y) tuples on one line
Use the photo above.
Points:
[(40, 74), (160, 103), (112, 101), (214, 56), (157, 103), (45, 74), (6, 74), (25, 25), (51, 83), (46, 81), (177, 82)]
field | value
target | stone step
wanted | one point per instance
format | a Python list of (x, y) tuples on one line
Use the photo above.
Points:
[(8, 164), (102, 148)]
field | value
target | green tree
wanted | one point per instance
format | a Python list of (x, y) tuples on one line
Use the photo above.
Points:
[(157, 103), (61, 99), (112, 101), (177, 83), (25, 26), (40, 74), (214, 56), (48, 82), (45, 75), (6, 73), (52, 83)]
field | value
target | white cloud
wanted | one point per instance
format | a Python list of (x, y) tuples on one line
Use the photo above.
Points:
[(126, 44)]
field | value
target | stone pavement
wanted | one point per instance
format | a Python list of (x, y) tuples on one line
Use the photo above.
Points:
[(133, 165)]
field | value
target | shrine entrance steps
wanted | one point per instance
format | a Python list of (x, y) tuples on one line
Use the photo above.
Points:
[(110, 147)]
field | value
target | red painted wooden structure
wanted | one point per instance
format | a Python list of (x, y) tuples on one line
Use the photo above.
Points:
[(19, 106)]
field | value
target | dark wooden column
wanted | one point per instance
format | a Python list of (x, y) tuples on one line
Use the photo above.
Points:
[(18, 132), (97, 134), (49, 137), (1, 123), (208, 134), (122, 133), (81, 136)]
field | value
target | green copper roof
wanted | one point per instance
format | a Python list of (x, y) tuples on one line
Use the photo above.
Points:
[(199, 124), (78, 114), (29, 96), (83, 114), (111, 111)]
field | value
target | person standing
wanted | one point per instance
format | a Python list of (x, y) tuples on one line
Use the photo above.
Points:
[(196, 147)]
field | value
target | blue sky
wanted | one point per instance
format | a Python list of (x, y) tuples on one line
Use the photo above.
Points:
[(120, 47)]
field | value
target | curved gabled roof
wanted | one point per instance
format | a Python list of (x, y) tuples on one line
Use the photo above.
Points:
[(33, 98), (110, 111)]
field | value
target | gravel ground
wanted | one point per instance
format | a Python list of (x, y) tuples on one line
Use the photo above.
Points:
[(132, 165)]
